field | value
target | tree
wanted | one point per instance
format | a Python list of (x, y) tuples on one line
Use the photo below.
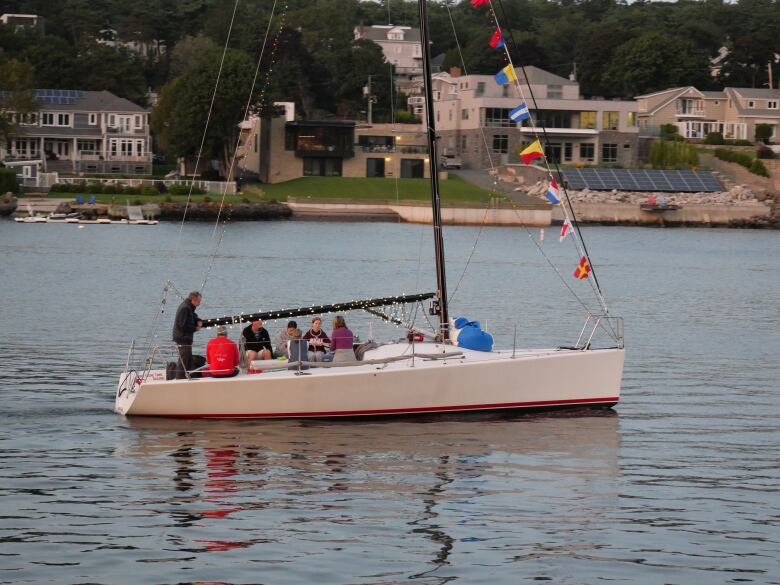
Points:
[(188, 52), (655, 61), (184, 107), (99, 67), (17, 95)]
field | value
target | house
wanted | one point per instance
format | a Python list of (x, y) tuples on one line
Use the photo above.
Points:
[(401, 47), (279, 149), (153, 48), (77, 131), (472, 119), (734, 112), (23, 21)]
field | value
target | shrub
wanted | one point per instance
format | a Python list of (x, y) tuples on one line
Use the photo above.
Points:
[(95, 188), (169, 199), (137, 202), (665, 154), (741, 142), (670, 132), (763, 132), (765, 152), (714, 138), (758, 168), (207, 199), (160, 186), (110, 189), (149, 190), (8, 181)]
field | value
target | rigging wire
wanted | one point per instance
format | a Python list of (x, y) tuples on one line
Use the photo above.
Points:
[(247, 108), (153, 331), (575, 225)]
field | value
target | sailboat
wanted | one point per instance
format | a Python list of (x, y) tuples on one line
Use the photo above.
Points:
[(422, 373)]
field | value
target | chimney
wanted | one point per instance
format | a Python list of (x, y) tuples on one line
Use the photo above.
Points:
[(455, 71)]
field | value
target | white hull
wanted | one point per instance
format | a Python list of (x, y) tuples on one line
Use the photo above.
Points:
[(472, 381)]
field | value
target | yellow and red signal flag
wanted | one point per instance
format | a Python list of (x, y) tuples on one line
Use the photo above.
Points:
[(583, 268), (533, 152)]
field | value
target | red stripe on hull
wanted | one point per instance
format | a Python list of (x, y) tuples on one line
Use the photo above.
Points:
[(393, 411)]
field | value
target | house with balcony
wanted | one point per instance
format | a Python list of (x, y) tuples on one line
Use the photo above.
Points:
[(77, 131), (23, 21), (401, 47), (472, 119), (734, 112), (280, 149)]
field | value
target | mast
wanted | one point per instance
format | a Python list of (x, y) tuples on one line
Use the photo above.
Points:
[(433, 166)]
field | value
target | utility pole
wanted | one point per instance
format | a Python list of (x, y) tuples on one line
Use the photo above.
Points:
[(371, 100), (771, 83)]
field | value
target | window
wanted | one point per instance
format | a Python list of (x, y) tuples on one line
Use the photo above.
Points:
[(321, 167), (438, 115), (587, 151), (552, 152), (450, 115), (751, 104), (505, 91), (85, 146), (464, 114), (610, 120), (112, 120), (500, 144), (480, 88), (138, 122), (47, 119), (631, 119), (567, 151), (609, 153), (554, 92), (552, 118), (463, 143), (139, 147), (588, 120), (63, 119), (497, 118), (375, 167), (412, 168), (771, 104), (93, 119)]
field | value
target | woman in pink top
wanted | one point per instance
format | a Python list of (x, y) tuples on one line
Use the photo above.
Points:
[(341, 341)]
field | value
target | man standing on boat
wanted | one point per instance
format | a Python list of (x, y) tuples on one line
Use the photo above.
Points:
[(185, 325)]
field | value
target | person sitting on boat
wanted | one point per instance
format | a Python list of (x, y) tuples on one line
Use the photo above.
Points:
[(257, 342), (341, 340), (222, 355), (280, 343), (185, 324), (317, 339)]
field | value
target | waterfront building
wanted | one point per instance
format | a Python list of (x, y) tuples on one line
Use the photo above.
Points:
[(472, 118), (77, 131), (734, 112), (280, 149)]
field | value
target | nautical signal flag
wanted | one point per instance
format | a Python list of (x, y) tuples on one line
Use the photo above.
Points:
[(478, 3), (583, 269), (553, 193), (565, 229), (532, 152), (497, 40), (520, 113), (506, 75)]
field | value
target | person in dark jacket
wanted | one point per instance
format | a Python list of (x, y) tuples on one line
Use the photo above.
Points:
[(185, 325), (257, 342)]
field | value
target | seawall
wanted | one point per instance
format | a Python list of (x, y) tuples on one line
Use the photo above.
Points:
[(686, 215)]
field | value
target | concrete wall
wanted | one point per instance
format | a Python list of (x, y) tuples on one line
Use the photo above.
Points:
[(628, 213)]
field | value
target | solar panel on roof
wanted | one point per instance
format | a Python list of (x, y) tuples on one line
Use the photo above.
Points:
[(642, 180)]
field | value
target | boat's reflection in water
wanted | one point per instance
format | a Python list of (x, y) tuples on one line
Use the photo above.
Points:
[(429, 485)]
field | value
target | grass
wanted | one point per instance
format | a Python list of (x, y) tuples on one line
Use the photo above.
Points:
[(453, 189)]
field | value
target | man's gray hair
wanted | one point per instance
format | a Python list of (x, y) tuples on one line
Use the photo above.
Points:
[(194, 295)]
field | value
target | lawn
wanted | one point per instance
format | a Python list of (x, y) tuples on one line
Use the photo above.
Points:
[(453, 189)]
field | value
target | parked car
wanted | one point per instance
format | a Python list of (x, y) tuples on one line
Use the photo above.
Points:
[(450, 161)]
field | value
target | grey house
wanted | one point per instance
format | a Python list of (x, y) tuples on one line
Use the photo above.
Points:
[(83, 132)]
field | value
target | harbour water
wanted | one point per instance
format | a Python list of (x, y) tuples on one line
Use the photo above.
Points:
[(679, 484)]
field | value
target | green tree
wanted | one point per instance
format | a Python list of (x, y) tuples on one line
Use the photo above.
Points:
[(188, 52), (99, 67), (184, 107), (17, 95), (655, 61)]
